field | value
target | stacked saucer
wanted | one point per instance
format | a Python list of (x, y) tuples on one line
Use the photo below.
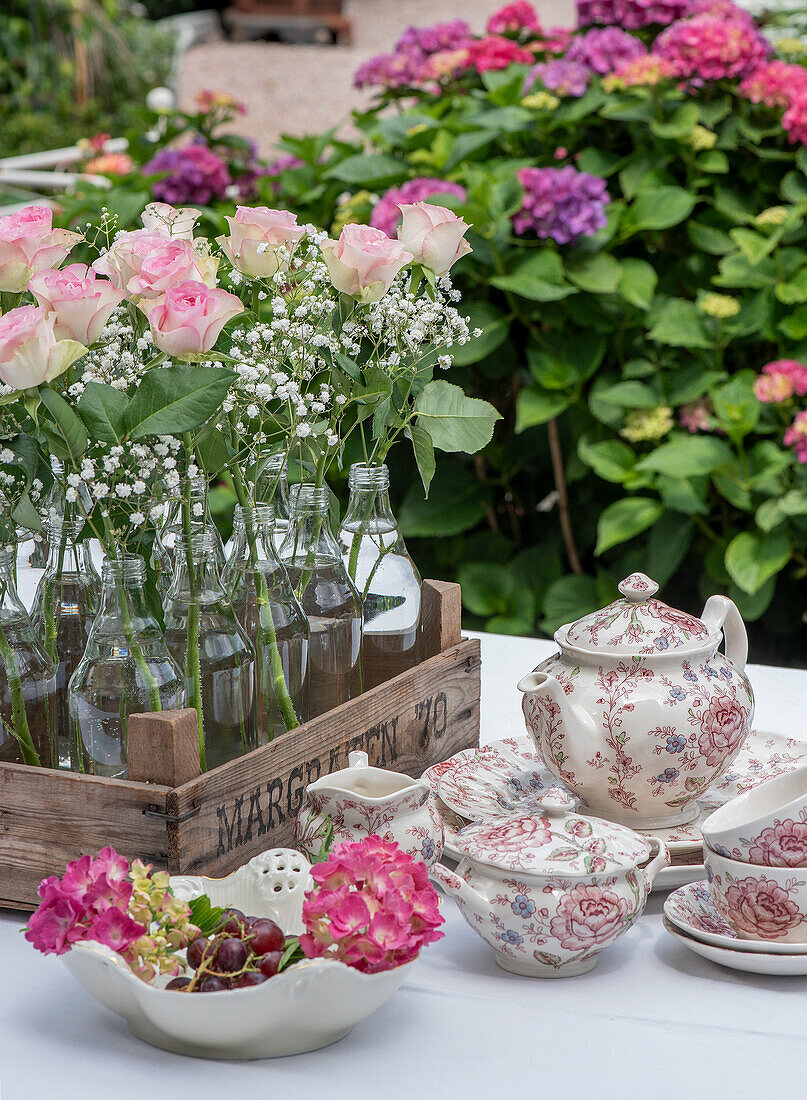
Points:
[(751, 914)]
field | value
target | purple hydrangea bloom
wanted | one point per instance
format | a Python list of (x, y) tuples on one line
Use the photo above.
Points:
[(389, 70), (403, 68), (425, 41), (631, 14), (386, 214), (567, 78), (284, 163), (604, 50), (195, 175), (561, 203)]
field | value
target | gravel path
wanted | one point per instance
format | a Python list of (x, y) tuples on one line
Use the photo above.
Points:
[(298, 89)]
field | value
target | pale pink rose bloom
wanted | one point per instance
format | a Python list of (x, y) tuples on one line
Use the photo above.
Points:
[(30, 352), (364, 261), (146, 264), (434, 235), (81, 301), (261, 240), (171, 221), (188, 318), (29, 243)]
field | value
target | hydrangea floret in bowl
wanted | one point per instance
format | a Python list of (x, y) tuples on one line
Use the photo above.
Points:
[(353, 926)]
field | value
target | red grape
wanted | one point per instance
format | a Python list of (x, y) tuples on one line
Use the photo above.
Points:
[(212, 984), (196, 952), (178, 983), (231, 955), (265, 936), (252, 977), (269, 963)]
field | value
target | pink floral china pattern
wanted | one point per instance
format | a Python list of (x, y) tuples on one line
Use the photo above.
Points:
[(692, 909), (481, 784), (760, 903), (783, 844), (639, 734)]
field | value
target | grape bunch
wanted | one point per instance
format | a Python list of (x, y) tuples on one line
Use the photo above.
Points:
[(244, 951)]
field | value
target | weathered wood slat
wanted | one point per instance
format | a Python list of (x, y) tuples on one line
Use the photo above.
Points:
[(441, 616), (249, 804), (48, 818)]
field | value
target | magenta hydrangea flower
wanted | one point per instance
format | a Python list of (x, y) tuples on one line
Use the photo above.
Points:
[(775, 84), (196, 175), (566, 78), (494, 52), (604, 49), (404, 68), (513, 19), (781, 380), (428, 40), (373, 907), (711, 47), (562, 203), (386, 213), (796, 436), (794, 120), (631, 14)]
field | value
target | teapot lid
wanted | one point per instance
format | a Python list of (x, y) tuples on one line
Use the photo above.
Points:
[(554, 841), (636, 623)]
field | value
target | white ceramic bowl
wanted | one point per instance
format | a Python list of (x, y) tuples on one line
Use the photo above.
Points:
[(306, 1007), (768, 904), (766, 826)]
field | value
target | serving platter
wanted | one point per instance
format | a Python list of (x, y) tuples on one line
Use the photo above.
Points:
[(502, 779), (750, 962)]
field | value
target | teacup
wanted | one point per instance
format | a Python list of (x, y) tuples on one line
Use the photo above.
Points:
[(760, 903), (766, 826)]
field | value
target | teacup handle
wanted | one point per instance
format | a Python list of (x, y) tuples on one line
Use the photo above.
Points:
[(720, 613), (660, 859)]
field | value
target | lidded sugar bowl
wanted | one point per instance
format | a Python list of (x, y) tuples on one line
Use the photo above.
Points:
[(551, 890), (639, 712)]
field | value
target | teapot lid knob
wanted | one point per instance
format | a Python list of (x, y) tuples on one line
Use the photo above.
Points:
[(358, 760), (555, 801), (637, 588)]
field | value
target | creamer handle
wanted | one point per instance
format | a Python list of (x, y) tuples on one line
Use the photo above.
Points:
[(720, 613)]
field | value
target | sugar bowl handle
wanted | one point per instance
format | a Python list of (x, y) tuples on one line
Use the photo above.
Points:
[(720, 613), (660, 860)]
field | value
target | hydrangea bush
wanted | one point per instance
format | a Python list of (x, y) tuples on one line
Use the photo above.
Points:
[(637, 191)]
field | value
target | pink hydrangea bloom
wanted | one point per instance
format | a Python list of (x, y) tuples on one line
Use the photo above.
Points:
[(605, 49), (564, 77), (775, 84), (696, 416), (374, 907), (408, 65), (386, 213), (631, 14), (711, 47), (796, 436), (780, 380), (495, 52), (643, 71), (513, 19), (794, 120)]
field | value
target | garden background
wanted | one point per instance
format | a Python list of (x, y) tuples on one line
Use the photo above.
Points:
[(639, 270)]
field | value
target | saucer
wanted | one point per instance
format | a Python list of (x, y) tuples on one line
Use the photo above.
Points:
[(691, 909), (751, 962)]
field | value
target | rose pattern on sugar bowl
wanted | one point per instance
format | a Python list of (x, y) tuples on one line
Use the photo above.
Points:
[(548, 893), (640, 713), (361, 801)]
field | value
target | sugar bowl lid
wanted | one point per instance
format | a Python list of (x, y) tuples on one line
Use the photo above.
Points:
[(636, 623), (554, 841)]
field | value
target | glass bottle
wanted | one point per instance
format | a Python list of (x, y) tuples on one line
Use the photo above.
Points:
[(387, 579), (272, 487), (200, 518), (269, 612), (27, 680), (314, 564), (54, 505), (215, 654), (126, 669), (64, 607)]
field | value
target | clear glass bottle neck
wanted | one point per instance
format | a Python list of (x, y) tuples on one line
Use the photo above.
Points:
[(309, 531), (66, 552), (271, 482), (196, 569), (369, 496), (9, 598), (122, 579), (253, 531)]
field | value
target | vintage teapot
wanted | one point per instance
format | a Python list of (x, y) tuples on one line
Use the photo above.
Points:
[(551, 890), (361, 801), (639, 713)]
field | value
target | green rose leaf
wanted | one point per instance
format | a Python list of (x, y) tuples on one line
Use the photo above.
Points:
[(176, 399), (752, 558), (68, 426), (423, 449), (102, 408), (624, 519), (455, 422)]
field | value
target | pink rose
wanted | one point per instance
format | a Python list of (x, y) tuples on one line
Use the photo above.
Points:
[(29, 243), (587, 917), (364, 261), (82, 302), (170, 221), (261, 240), (515, 833), (434, 235), (30, 352), (188, 318), (761, 908), (146, 264), (724, 725), (783, 845)]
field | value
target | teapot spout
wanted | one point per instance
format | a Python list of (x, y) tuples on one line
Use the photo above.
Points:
[(542, 685)]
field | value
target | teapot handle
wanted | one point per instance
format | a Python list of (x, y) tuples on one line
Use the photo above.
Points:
[(720, 613)]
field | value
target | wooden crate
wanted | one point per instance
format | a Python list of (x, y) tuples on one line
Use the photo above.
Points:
[(214, 823)]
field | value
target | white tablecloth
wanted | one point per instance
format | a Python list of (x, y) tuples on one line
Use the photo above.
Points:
[(652, 1020)]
